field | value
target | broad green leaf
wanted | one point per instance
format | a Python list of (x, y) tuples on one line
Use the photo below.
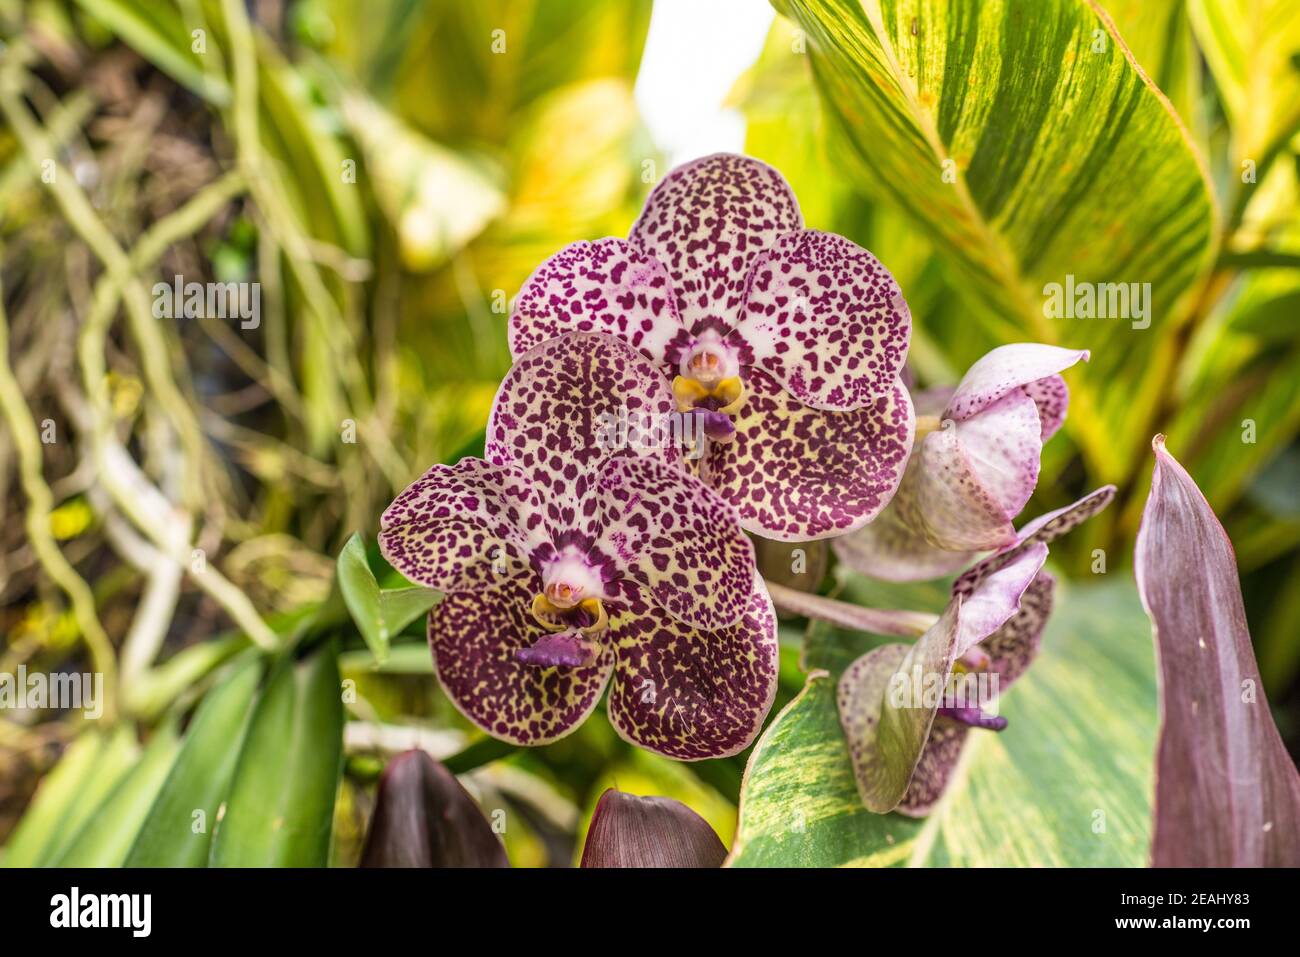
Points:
[(1067, 783), (178, 829), (1251, 47), (281, 801), (56, 798), (1018, 136), (1159, 35), (113, 762), (106, 837), (378, 614)]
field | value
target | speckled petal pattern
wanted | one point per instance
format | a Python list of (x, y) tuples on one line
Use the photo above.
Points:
[(1011, 649), (934, 769), (469, 525), (1003, 370), (474, 637), (691, 694), (669, 531), (1003, 445), (824, 318), (1045, 528), (1052, 397), (993, 604), (706, 222), (555, 411), (794, 473), (605, 286), (1013, 646), (887, 549)]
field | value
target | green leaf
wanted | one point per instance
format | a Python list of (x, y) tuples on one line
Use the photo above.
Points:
[(1019, 137), (59, 799), (1067, 783), (158, 33), (1250, 46), (113, 762), (281, 804), (106, 837), (1158, 34), (378, 614), (174, 834)]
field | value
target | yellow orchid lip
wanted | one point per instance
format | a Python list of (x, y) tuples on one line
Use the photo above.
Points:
[(552, 616), (691, 393)]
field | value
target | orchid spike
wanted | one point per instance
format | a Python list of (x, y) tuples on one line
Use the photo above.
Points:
[(904, 746), (567, 563), (787, 343), (973, 467)]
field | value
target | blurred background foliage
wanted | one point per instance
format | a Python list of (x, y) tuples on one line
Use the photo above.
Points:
[(175, 492)]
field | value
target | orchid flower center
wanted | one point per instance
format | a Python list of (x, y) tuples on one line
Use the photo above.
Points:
[(975, 660), (571, 597), (710, 378)]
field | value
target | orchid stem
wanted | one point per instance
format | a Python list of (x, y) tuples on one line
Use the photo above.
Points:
[(878, 621)]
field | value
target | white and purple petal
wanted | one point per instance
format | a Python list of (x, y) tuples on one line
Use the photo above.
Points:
[(1044, 528), (969, 479), (824, 318), (671, 533), (469, 525), (476, 639), (1010, 650), (1006, 369), (706, 222), (795, 473), (604, 286), (557, 412), (691, 694)]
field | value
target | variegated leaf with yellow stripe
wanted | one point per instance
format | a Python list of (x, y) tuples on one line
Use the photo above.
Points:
[(1022, 139), (1068, 783)]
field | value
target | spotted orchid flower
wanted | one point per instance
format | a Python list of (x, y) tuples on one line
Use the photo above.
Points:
[(786, 343), (570, 563), (972, 469), (904, 743)]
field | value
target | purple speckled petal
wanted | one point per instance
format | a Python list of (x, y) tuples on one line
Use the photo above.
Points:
[(824, 318), (885, 743), (691, 694), (706, 222), (967, 480), (884, 707), (933, 770), (673, 534), (1010, 649), (605, 286), (476, 637), (469, 525), (888, 549), (1042, 529), (557, 411), (1004, 370), (795, 473), (1052, 397), (1013, 646), (992, 605)]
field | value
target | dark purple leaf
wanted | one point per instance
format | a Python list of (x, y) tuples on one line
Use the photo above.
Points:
[(631, 831), (1227, 792), (424, 818)]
